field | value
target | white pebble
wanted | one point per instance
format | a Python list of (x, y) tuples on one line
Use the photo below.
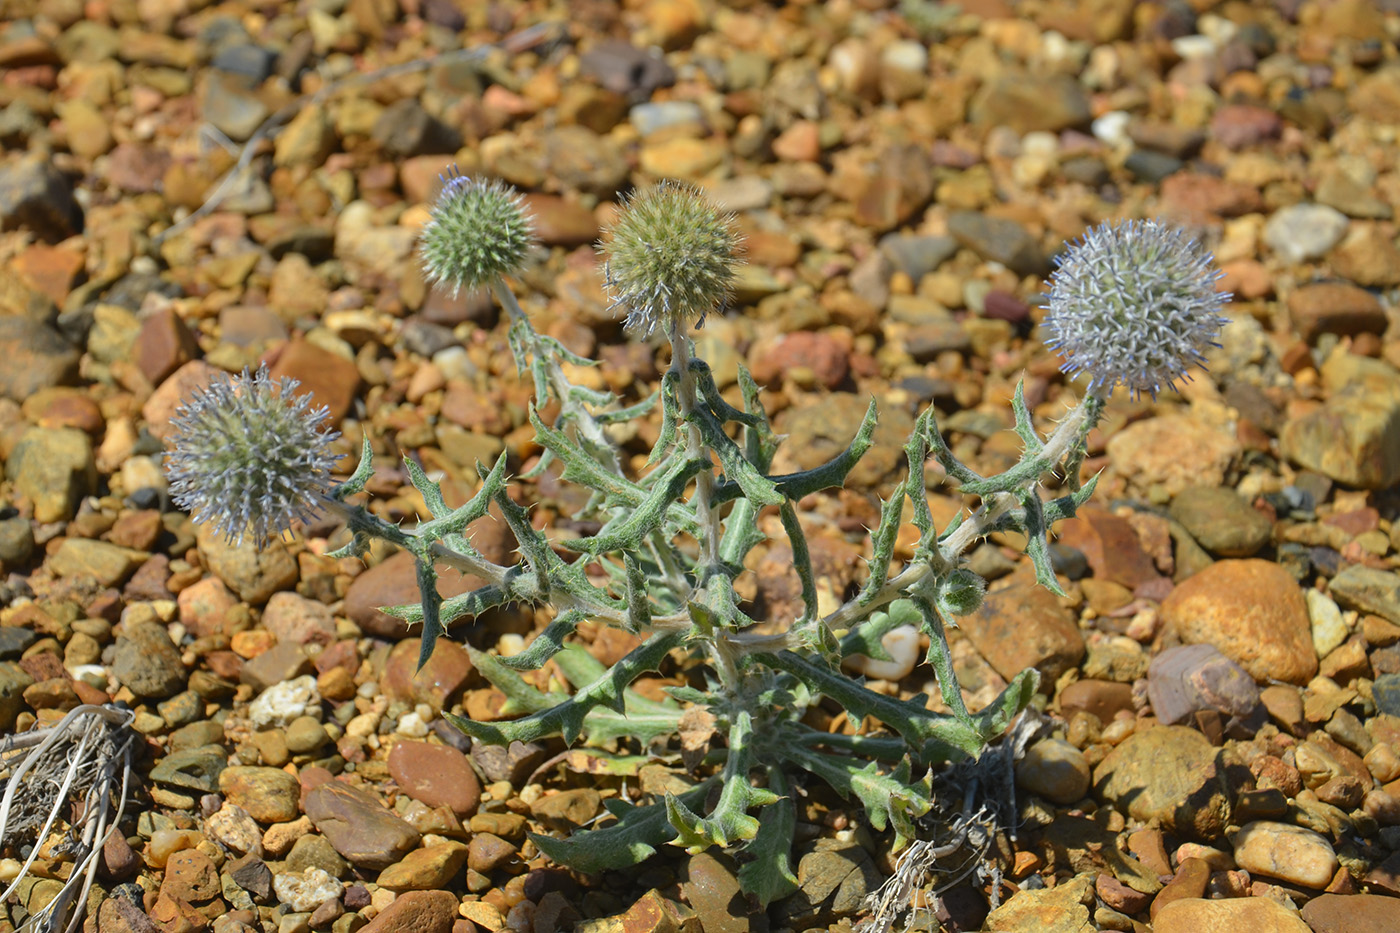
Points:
[(902, 643), (412, 725), (510, 644), (1112, 128), (1329, 629), (305, 891), (279, 704)]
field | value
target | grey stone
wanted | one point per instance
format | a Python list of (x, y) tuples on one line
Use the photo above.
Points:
[(13, 641), (1368, 589), (1386, 691), (1152, 167), (313, 851), (648, 118), (405, 129), (16, 542), (1220, 521), (195, 769), (252, 63), (916, 255), (232, 109), (999, 240), (37, 357), (626, 69), (13, 682), (146, 661), (36, 196), (1181, 681)]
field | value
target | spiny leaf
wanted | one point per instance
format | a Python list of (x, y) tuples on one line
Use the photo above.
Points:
[(355, 482), (1024, 429), (546, 643), (867, 638), (755, 486), (432, 604), (920, 727), (801, 562), (830, 474), (768, 875), (628, 842), (729, 821), (454, 522), (567, 718), (631, 530), (891, 799)]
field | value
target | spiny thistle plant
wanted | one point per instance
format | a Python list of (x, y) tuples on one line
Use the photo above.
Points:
[(1132, 304)]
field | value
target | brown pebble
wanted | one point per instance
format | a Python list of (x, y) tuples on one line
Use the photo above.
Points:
[(1190, 881)]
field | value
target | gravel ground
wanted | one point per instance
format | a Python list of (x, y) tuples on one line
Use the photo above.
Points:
[(1220, 739)]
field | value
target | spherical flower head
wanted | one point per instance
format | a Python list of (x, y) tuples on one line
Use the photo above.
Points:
[(670, 258), (478, 231), (250, 454), (1134, 303)]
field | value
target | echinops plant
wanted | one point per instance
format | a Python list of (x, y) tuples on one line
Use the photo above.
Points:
[(1132, 304)]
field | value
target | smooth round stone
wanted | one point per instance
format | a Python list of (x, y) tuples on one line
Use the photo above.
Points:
[(1201, 915), (902, 644), (1287, 852), (305, 735), (1221, 521), (1055, 770)]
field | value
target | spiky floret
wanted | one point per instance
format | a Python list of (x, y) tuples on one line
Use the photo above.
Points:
[(1134, 303), (250, 454), (479, 230), (670, 257)]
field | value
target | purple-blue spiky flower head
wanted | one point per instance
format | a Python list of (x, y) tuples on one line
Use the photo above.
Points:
[(1134, 303), (249, 454)]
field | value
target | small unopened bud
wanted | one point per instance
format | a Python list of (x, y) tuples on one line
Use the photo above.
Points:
[(478, 231), (1135, 304), (670, 258), (250, 454), (960, 593)]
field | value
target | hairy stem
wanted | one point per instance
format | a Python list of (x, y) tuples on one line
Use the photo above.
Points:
[(579, 414), (1058, 446)]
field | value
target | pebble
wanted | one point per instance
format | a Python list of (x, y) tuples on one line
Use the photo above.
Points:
[(146, 662), (55, 468), (1305, 232), (429, 868), (1055, 770), (1221, 521), (359, 827), (268, 795), (233, 827), (297, 620), (902, 646), (1023, 626), (1061, 909), (1253, 612), (1354, 438), (36, 196), (1256, 914), (437, 775), (1027, 104), (1172, 452), (284, 702), (1334, 308), (418, 911), (254, 573), (1166, 773), (1287, 852), (1181, 681), (1350, 913), (305, 891), (999, 240)]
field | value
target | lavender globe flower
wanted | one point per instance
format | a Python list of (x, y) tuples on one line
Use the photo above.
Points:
[(1134, 303), (248, 453), (479, 231), (670, 258)]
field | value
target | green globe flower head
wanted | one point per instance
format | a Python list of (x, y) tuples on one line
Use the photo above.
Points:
[(670, 258), (249, 454), (1134, 304), (478, 231)]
